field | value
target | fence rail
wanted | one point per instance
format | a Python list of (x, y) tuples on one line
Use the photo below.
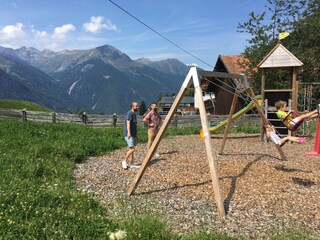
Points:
[(100, 120)]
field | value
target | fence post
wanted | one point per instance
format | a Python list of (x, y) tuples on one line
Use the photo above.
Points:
[(84, 118), (114, 120), (24, 115), (54, 117), (175, 120)]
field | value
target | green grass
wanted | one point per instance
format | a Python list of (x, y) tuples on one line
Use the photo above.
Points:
[(17, 104), (241, 127), (313, 126), (38, 196), (37, 193)]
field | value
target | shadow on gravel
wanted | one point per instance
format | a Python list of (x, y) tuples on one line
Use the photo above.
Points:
[(174, 187), (234, 180), (289, 170), (303, 182), (252, 154)]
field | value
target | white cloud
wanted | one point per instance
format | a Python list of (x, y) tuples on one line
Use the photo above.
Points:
[(38, 34), (41, 34), (12, 32), (98, 23), (60, 32)]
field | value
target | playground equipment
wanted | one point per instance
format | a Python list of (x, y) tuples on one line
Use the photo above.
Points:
[(279, 58), (316, 151), (242, 85), (235, 116)]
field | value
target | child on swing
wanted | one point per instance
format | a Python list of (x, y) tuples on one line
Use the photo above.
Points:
[(272, 135), (293, 122)]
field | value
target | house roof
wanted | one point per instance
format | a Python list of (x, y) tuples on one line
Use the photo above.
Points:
[(231, 63), (171, 100), (279, 56)]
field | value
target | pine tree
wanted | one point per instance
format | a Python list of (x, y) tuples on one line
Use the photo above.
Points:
[(143, 108)]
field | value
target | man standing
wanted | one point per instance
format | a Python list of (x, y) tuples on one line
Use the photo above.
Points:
[(130, 135), (153, 121)]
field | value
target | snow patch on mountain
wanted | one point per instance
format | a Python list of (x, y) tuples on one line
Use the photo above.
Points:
[(87, 67), (106, 77), (72, 86), (94, 106)]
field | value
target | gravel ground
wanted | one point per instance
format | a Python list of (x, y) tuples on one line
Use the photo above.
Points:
[(262, 193)]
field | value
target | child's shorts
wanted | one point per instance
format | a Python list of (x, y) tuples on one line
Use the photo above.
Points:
[(275, 138), (294, 123)]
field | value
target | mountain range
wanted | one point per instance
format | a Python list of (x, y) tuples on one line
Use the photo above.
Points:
[(98, 80)]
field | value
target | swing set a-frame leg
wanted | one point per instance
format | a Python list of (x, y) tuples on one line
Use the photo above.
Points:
[(233, 107), (157, 140)]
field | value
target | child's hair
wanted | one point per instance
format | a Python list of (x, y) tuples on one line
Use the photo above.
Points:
[(280, 104)]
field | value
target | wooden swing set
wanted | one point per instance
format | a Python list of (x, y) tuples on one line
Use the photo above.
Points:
[(192, 80)]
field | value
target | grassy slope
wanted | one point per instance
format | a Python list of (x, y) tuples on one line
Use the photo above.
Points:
[(17, 104)]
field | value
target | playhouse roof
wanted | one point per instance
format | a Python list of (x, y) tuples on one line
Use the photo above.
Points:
[(231, 63), (279, 56)]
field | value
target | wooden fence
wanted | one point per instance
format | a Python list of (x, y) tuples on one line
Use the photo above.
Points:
[(100, 120)]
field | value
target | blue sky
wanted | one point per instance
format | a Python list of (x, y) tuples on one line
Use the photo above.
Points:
[(205, 28)]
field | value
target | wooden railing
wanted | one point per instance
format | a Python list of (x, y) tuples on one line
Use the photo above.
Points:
[(101, 120)]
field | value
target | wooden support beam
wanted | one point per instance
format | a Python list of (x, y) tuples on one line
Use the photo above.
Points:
[(226, 130), (209, 150), (295, 87)]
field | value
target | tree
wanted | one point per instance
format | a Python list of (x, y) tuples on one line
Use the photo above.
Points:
[(300, 18), (143, 108)]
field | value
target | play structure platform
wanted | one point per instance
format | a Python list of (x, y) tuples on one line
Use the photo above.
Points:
[(235, 116)]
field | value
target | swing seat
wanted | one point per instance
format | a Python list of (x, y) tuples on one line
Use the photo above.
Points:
[(287, 121)]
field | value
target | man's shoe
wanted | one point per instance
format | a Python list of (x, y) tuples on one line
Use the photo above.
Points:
[(124, 164)]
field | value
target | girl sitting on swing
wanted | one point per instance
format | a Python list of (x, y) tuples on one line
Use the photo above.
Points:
[(272, 135), (292, 120)]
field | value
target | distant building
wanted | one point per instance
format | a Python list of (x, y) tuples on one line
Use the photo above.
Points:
[(186, 106), (221, 89)]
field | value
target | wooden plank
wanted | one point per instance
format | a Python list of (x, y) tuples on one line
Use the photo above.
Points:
[(233, 107), (278, 90), (263, 95), (295, 88), (220, 74), (209, 150)]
